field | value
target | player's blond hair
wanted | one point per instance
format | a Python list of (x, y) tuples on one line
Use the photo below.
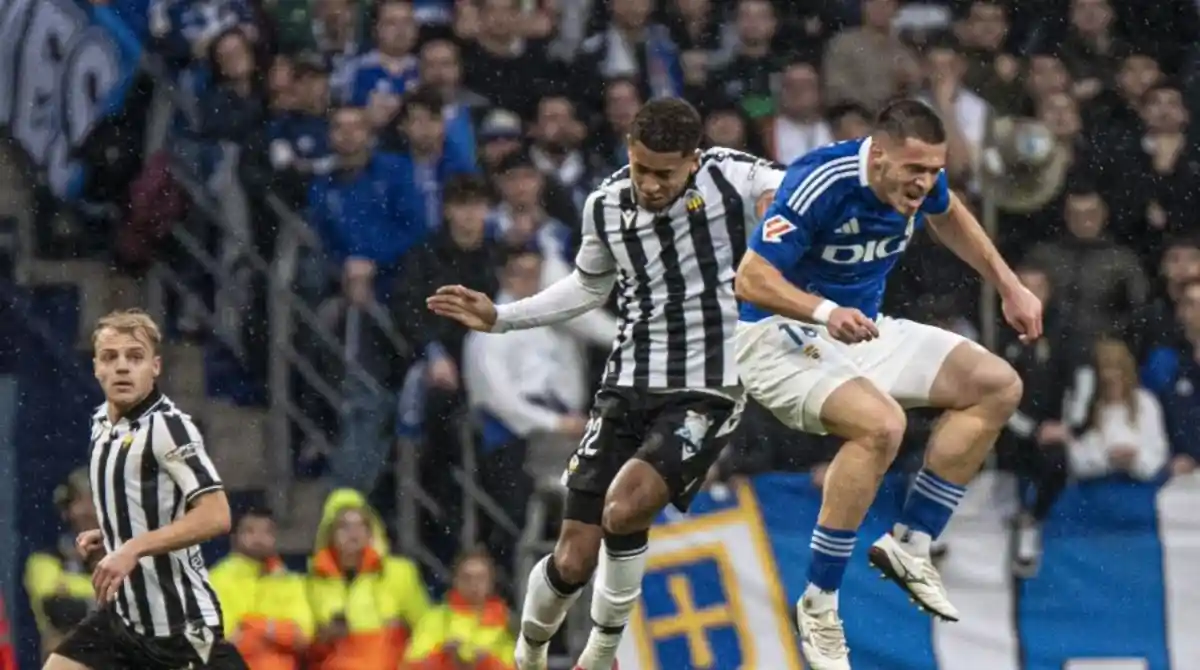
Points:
[(134, 322)]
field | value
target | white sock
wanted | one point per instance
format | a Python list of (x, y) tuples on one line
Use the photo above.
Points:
[(616, 590), (545, 608), (816, 601), (914, 541)]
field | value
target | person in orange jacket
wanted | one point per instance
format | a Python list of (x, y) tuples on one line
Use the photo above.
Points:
[(365, 602), (265, 606), (470, 631)]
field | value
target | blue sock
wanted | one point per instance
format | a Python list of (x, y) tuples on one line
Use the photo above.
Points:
[(930, 504), (831, 549)]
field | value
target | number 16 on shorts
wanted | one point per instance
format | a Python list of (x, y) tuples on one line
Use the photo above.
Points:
[(803, 336)]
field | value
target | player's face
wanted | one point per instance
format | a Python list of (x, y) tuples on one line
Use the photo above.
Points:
[(659, 178), (907, 170), (126, 366)]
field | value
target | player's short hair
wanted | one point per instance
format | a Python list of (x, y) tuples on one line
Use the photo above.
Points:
[(668, 125), (911, 119), (427, 98), (133, 322)]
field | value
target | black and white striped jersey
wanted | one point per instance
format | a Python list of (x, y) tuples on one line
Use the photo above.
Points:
[(146, 468), (675, 271)]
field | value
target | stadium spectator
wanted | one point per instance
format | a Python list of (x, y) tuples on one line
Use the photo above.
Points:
[(1091, 50), (1026, 447), (747, 76), (891, 70), (1120, 120), (797, 126), (470, 630), (631, 46), (427, 151), (965, 114), (1153, 323), (529, 390), (232, 109), (440, 68), (57, 579), (726, 125), (298, 137), (1172, 371), (1124, 432), (337, 33), (264, 606), (379, 79), (519, 218), (848, 121), (365, 601), (510, 71), (622, 100), (993, 71), (500, 134), (557, 139), (1098, 281), (187, 28)]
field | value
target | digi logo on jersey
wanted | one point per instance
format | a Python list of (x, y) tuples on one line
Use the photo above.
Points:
[(63, 65), (873, 250)]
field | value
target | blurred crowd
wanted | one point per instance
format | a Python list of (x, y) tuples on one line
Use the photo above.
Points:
[(431, 142)]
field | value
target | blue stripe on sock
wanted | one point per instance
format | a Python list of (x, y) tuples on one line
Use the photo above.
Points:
[(831, 550), (930, 504)]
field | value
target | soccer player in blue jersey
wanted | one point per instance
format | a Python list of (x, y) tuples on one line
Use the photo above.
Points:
[(813, 348)]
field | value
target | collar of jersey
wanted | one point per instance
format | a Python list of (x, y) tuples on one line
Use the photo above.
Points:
[(629, 201), (139, 410)]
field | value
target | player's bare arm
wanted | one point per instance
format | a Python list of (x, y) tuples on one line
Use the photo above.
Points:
[(960, 231), (565, 299), (760, 283)]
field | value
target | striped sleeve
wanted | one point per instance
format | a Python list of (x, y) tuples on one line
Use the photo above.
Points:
[(594, 257), (179, 450), (751, 175)]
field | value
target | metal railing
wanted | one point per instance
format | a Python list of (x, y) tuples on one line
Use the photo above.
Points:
[(286, 312)]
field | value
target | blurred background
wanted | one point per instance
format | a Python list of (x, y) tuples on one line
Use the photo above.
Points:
[(282, 182)]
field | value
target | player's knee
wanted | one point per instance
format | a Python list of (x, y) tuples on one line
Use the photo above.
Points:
[(999, 386), (883, 432), (576, 554), (623, 516)]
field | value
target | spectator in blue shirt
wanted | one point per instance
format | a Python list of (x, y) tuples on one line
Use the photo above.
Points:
[(441, 69), (1172, 371), (379, 78), (366, 211), (298, 138), (427, 151), (187, 27)]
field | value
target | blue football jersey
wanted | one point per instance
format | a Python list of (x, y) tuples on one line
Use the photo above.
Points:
[(367, 74), (828, 233)]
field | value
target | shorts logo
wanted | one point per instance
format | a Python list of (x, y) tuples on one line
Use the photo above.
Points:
[(691, 433), (811, 351), (774, 228)]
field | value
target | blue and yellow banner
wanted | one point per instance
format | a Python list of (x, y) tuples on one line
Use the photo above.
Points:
[(1119, 586)]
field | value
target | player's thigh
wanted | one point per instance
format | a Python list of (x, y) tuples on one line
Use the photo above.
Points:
[(791, 369), (611, 438), (93, 643), (907, 357), (684, 439), (861, 411)]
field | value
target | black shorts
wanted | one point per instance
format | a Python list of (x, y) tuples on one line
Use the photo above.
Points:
[(103, 641), (679, 434)]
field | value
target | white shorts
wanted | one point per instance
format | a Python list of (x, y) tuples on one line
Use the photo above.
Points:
[(791, 368)]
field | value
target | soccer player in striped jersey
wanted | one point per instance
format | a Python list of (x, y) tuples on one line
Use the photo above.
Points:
[(667, 231), (157, 497), (813, 348)]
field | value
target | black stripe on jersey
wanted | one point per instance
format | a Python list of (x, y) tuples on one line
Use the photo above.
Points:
[(105, 520), (164, 567), (710, 304), (735, 213), (676, 283), (137, 578), (641, 328)]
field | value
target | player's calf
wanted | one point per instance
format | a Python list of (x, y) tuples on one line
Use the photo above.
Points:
[(557, 581)]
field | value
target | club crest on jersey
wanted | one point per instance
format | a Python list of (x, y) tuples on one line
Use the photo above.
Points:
[(695, 427), (127, 441), (695, 202), (774, 228)]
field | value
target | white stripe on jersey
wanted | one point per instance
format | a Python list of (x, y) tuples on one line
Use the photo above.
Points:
[(819, 180), (145, 470), (675, 271)]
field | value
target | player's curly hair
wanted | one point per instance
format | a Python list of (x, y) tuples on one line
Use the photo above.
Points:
[(667, 125), (907, 118)]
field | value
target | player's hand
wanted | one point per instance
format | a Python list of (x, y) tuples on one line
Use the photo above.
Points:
[(470, 308), (849, 325), (111, 572), (1023, 311), (88, 543)]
